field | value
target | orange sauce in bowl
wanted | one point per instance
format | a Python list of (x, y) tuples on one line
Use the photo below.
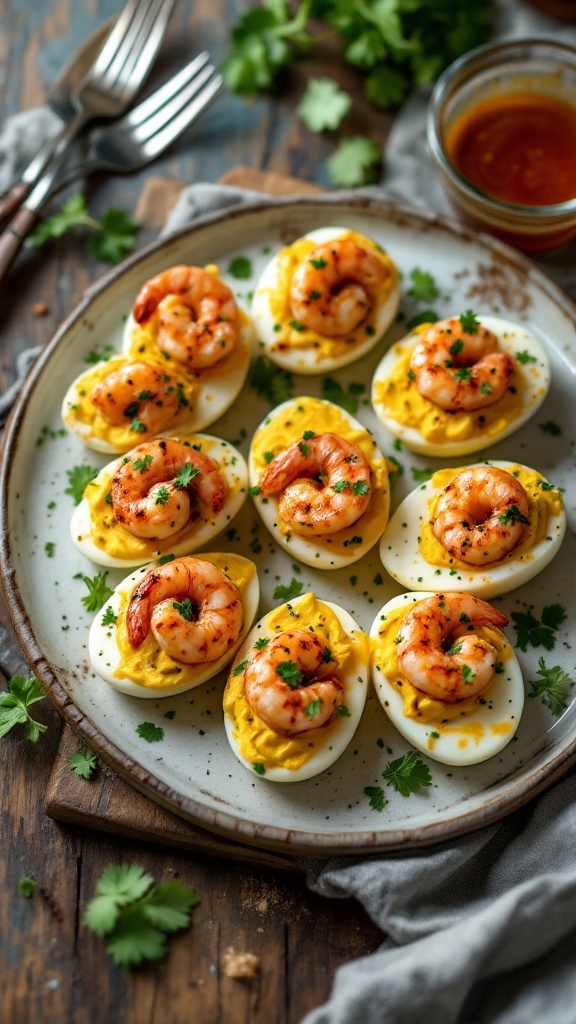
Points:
[(520, 148)]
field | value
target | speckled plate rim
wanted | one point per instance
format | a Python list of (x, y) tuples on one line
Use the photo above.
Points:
[(494, 807)]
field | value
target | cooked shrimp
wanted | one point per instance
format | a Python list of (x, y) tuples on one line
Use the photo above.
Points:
[(137, 391), (335, 286), (198, 319), (311, 507), (157, 486), (291, 684), (193, 610), (481, 515), (438, 650), (459, 369)]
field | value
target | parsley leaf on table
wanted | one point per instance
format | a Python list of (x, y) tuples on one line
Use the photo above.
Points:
[(423, 287), (377, 799), (538, 633), (22, 692), (134, 918), (98, 591), (149, 731), (271, 382), (553, 687), (357, 161), (323, 105), (83, 763), (78, 479), (115, 232), (407, 774), (332, 391), (282, 593)]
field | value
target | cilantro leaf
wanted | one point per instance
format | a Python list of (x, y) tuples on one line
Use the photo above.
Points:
[(553, 687), (282, 593), (378, 800), (423, 288), (73, 213), (289, 672), (530, 630), (469, 322), (271, 382), (98, 592), (186, 474), (150, 732), (78, 479), (264, 41), (407, 774), (421, 475), (323, 105), (22, 692), (83, 763), (115, 236), (118, 885), (332, 391), (357, 161)]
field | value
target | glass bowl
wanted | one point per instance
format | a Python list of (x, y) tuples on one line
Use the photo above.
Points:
[(517, 68)]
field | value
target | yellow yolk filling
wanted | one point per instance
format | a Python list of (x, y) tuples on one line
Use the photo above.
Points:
[(544, 504), (148, 665), (300, 337), (418, 705), (110, 536), (401, 401), (82, 410), (258, 743), (289, 426)]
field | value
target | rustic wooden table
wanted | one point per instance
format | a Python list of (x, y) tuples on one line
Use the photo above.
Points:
[(53, 968)]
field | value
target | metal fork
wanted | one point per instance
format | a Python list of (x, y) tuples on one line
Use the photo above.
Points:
[(119, 71), (128, 144)]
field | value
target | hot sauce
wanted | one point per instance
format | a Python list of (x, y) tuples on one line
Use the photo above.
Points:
[(520, 148)]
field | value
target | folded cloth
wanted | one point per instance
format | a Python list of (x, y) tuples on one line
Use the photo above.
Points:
[(480, 930)]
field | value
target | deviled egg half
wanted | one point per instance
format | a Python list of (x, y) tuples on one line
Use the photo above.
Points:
[(170, 495), (297, 689), (319, 482), (458, 704), (122, 401), (456, 386), (168, 628), (325, 300), (188, 319), (485, 529)]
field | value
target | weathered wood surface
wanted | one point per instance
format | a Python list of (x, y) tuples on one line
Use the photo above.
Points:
[(52, 967)]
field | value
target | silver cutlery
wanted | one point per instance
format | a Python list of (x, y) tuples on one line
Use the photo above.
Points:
[(128, 144), (95, 88)]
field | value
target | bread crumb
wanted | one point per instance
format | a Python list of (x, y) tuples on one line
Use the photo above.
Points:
[(40, 308), (240, 965)]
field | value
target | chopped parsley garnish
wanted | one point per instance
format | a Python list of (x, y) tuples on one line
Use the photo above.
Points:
[(427, 316), (255, 490), (538, 633), (290, 672), (297, 325), (463, 373), (343, 711), (421, 475), (271, 382), (340, 486), (240, 668), (143, 464), (467, 674), (137, 426), (83, 763), (318, 264), (407, 774), (98, 592), (186, 475), (308, 435), (259, 768), (378, 800), (455, 649), (262, 642), (109, 618), (360, 487), (553, 686), (268, 456), (78, 479), (313, 708), (332, 391), (162, 495), (185, 608), (240, 268), (50, 548), (294, 588), (486, 388), (469, 322), (550, 427), (513, 515), (525, 357), (150, 732), (456, 347), (423, 287)]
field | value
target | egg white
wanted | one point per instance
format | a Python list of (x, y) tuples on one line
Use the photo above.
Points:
[(503, 702), (89, 434), (217, 387), (310, 550), (105, 655), (402, 559), (308, 360), (234, 471), (342, 730), (512, 338)]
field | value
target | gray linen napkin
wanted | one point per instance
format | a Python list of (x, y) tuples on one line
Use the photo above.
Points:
[(482, 929)]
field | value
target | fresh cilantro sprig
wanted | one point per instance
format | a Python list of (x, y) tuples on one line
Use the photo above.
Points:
[(134, 918), (283, 593), (407, 774), (22, 692), (323, 105), (553, 686), (114, 234), (83, 763), (98, 591), (332, 391), (264, 42), (538, 632), (78, 479)]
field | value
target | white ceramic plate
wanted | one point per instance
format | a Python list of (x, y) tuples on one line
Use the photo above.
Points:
[(193, 770)]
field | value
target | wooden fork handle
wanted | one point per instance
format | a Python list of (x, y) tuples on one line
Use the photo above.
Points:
[(11, 200), (13, 236)]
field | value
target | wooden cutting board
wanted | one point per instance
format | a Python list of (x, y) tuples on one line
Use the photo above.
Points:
[(106, 802)]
